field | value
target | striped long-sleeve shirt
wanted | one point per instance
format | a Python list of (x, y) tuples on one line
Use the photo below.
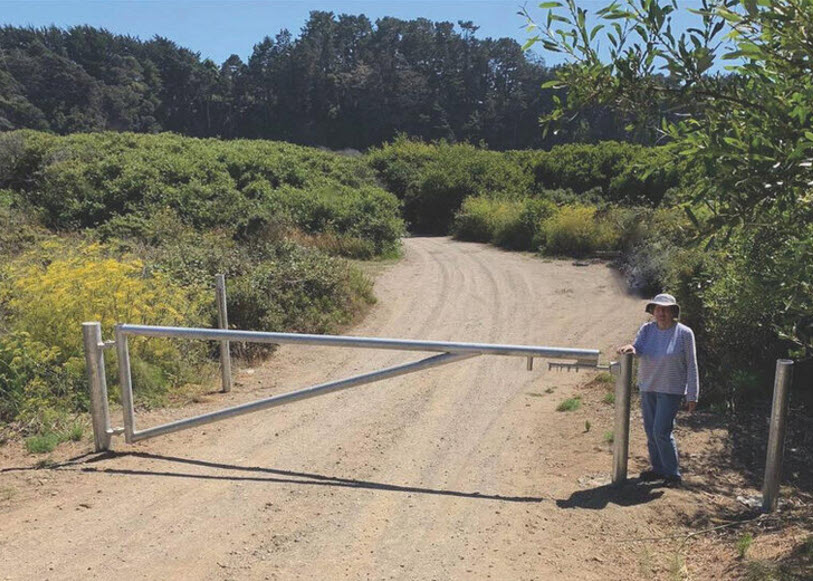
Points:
[(668, 360)]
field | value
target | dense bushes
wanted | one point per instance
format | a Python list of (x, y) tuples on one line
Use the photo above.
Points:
[(622, 172), (512, 224), (539, 224), (83, 181), (138, 226), (49, 291), (735, 301), (578, 231), (433, 180)]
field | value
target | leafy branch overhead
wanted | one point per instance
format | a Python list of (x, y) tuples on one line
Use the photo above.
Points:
[(734, 91), (733, 94)]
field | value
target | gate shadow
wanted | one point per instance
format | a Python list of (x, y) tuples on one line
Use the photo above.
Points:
[(282, 477)]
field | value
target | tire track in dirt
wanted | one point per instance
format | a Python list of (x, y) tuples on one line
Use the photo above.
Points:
[(448, 473)]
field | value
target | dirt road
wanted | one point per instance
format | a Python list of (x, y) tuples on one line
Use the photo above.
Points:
[(460, 472)]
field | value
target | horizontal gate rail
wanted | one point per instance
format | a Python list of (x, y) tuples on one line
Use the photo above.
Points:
[(588, 356), (450, 352)]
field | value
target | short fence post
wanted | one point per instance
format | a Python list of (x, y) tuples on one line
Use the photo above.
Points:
[(223, 323), (621, 434), (99, 411), (776, 437)]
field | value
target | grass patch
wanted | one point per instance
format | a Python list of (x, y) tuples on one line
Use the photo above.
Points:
[(609, 437), (743, 544), (570, 404), (587, 426), (42, 443), (609, 398), (604, 377), (48, 441), (75, 433)]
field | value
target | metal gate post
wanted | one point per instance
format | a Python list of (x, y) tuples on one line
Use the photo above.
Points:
[(99, 410), (223, 323), (126, 384), (776, 438), (621, 435)]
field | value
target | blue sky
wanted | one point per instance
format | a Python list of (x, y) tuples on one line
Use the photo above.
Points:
[(218, 28)]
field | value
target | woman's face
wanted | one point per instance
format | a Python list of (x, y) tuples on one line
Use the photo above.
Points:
[(663, 316)]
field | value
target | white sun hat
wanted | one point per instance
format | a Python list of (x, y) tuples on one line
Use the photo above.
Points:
[(664, 300)]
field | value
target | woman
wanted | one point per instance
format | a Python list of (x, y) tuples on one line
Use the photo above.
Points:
[(667, 372)]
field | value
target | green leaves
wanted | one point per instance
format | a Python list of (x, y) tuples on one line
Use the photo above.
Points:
[(749, 135)]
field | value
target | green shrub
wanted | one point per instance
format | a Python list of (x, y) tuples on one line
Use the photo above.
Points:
[(42, 443), (510, 223), (433, 180), (475, 220), (50, 291), (90, 180), (743, 544), (604, 377), (18, 229), (578, 231), (570, 404), (296, 289), (522, 231), (45, 442), (621, 172)]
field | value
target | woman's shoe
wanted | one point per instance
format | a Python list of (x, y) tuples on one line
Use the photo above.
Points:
[(673, 481)]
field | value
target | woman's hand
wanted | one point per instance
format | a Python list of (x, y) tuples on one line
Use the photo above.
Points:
[(626, 349)]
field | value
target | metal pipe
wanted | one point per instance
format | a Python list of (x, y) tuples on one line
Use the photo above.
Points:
[(223, 323), (306, 393), (584, 355), (621, 436), (97, 382), (126, 384), (776, 437)]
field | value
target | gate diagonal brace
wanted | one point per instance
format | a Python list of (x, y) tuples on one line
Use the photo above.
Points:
[(306, 393), (446, 352)]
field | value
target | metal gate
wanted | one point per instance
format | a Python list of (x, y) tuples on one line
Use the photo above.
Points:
[(447, 352)]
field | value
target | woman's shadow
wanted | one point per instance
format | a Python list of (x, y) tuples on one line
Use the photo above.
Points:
[(632, 493)]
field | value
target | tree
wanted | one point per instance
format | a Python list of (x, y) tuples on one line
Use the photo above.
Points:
[(749, 132)]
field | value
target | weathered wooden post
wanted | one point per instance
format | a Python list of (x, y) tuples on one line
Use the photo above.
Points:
[(621, 434), (223, 323), (776, 437)]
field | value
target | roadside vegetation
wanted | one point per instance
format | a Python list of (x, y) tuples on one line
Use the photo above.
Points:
[(132, 228), (113, 226)]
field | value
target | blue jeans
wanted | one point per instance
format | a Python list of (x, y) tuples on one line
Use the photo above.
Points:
[(659, 411)]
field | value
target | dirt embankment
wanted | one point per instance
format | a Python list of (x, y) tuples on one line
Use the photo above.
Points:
[(460, 472)]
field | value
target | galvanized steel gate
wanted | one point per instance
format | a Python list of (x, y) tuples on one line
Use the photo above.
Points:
[(448, 352)]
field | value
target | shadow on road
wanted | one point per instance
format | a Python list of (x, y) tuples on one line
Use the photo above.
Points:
[(631, 494), (283, 477)]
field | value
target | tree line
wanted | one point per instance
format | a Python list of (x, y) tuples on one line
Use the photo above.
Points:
[(345, 82)]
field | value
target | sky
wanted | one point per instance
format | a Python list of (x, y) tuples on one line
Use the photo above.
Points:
[(219, 28)]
